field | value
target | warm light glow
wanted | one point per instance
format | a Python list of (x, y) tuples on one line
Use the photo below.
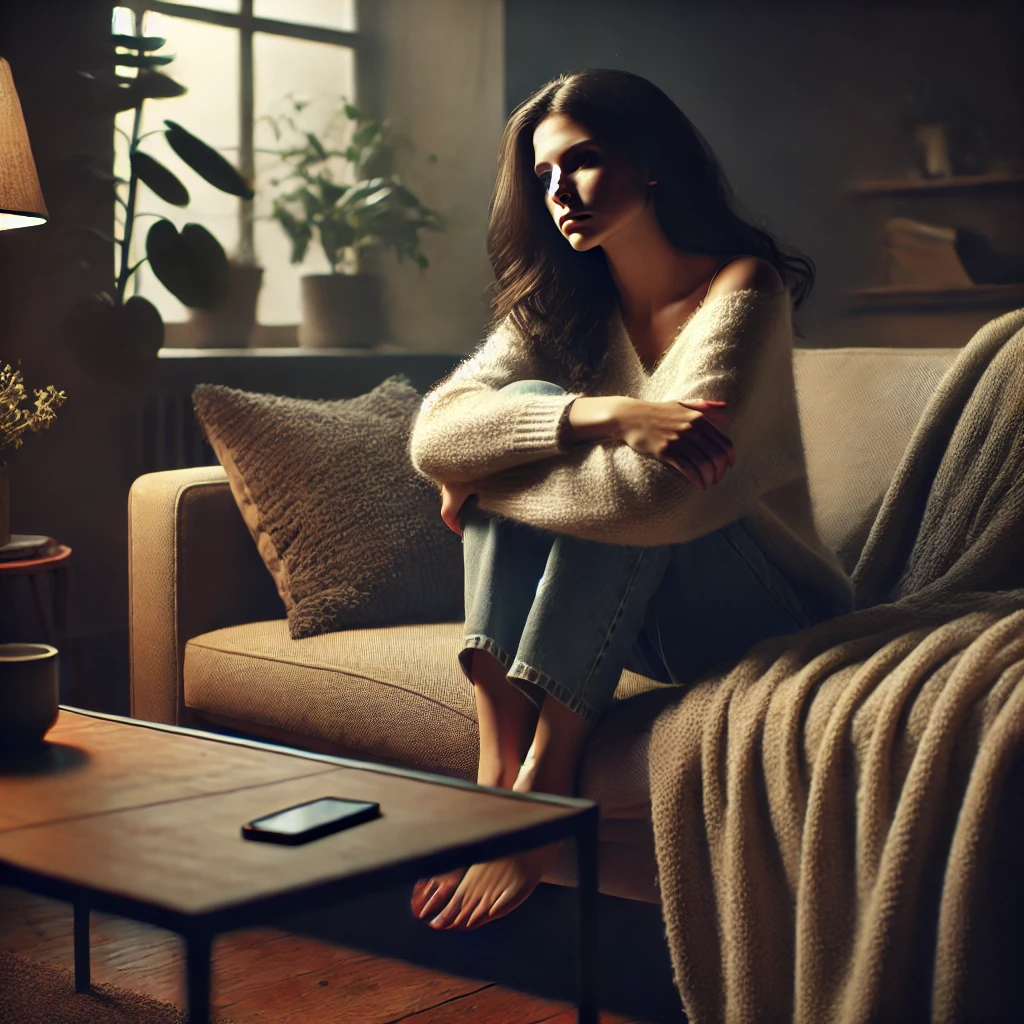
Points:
[(19, 220), (21, 199)]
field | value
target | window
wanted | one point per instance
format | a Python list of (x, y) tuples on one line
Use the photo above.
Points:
[(238, 59)]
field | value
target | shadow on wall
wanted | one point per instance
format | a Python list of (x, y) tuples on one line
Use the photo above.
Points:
[(798, 100)]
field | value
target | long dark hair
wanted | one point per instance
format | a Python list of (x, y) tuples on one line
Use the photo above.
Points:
[(562, 300)]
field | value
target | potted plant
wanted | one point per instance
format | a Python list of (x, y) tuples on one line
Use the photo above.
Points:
[(345, 307), (230, 323), (14, 421), (112, 331)]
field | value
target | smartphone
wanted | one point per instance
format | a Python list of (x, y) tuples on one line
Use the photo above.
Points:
[(311, 820)]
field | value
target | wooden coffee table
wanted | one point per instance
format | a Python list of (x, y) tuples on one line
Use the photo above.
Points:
[(143, 820)]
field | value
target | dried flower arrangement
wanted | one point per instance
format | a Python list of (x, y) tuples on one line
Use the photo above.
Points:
[(14, 420)]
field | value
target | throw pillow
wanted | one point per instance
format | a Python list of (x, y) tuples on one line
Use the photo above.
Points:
[(350, 532)]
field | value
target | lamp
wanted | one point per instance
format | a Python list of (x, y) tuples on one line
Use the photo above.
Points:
[(21, 199)]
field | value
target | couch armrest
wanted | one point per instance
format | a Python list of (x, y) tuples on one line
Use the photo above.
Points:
[(192, 568)]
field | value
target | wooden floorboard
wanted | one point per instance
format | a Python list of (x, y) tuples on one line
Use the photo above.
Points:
[(264, 974)]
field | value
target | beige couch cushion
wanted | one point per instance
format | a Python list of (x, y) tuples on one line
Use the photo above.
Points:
[(858, 409), (396, 695)]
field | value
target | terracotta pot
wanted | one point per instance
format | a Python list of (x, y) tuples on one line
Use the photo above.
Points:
[(5, 506), (342, 311), (229, 325)]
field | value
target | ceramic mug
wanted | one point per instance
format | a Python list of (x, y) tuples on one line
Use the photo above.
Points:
[(29, 694)]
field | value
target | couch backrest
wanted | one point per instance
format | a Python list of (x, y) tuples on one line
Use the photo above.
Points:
[(858, 409)]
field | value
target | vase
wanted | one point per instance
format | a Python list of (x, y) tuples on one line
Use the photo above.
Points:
[(229, 324), (342, 311), (933, 145), (5, 506)]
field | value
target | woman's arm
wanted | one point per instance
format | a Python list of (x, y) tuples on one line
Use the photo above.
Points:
[(688, 436), (467, 428), (609, 492)]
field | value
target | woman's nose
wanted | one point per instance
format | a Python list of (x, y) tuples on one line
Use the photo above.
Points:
[(559, 189), (562, 195)]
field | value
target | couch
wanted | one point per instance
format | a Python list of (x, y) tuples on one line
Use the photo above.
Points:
[(209, 644)]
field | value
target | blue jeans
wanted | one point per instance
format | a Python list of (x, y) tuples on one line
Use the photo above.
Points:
[(565, 616)]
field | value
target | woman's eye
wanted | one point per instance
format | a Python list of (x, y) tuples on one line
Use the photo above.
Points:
[(545, 180)]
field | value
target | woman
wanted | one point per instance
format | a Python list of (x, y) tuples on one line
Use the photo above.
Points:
[(622, 455)]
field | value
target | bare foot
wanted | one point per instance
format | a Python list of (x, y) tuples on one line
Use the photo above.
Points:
[(507, 718), (493, 889), (430, 895)]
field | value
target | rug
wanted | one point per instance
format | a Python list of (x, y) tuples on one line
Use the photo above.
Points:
[(42, 992)]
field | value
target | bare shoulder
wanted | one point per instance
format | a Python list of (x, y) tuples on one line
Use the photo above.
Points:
[(747, 273)]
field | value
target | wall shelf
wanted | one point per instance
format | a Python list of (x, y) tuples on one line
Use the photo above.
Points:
[(957, 185), (886, 298)]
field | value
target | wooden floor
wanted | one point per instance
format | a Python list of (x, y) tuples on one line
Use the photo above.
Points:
[(264, 975)]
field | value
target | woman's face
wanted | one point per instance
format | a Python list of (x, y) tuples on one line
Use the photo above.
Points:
[(580, 175)]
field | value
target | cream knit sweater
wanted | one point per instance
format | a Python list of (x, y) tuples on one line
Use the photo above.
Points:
[(738, 347)]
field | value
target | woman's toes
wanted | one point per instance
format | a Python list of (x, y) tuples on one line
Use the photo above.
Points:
[(470, 904), (447, 913), (421, 892), (481, 913), (431, 895), (439, 899)]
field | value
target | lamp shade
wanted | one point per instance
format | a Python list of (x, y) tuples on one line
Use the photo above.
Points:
[(21, 199)]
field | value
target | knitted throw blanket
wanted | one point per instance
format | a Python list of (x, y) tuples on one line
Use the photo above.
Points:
[(827, 814)]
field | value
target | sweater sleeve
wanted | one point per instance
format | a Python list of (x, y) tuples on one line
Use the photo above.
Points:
[(467, 429), (610, 493)]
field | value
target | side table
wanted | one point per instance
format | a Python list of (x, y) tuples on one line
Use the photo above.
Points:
[(54, 619)]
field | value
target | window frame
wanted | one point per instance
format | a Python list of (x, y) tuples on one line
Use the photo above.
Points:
[(246, 23)]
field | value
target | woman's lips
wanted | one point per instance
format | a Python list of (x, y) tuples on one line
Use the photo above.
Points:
[(575, 219)]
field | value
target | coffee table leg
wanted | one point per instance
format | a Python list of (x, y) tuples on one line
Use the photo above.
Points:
[(83, 983), (586, 861), (198, 957)]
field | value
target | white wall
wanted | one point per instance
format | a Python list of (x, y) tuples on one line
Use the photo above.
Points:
[(442, 83)]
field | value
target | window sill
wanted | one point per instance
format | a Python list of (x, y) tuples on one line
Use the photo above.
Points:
[(290, 352)]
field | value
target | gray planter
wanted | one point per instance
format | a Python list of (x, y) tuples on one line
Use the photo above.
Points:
[(229, 325), (342, 311)]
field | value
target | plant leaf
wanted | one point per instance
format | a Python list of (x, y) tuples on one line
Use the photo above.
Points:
[(329, 192), (316, 146), (298, 232), (192, 266), (135, 60), (159, 179), (155, 85), (207, 162), (139, 42)]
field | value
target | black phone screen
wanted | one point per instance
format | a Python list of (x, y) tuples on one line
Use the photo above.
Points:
[(310, 820)]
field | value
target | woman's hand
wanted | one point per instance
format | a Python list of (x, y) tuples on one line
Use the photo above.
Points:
[(453, 497), (680, 434)]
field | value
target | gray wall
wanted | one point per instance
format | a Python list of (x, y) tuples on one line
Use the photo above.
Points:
[(441, 75), (796, 99)]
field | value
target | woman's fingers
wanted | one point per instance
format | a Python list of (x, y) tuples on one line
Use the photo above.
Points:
[(683, 465), (710, 448), (706, 421), (714, 435), (452, 500)]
